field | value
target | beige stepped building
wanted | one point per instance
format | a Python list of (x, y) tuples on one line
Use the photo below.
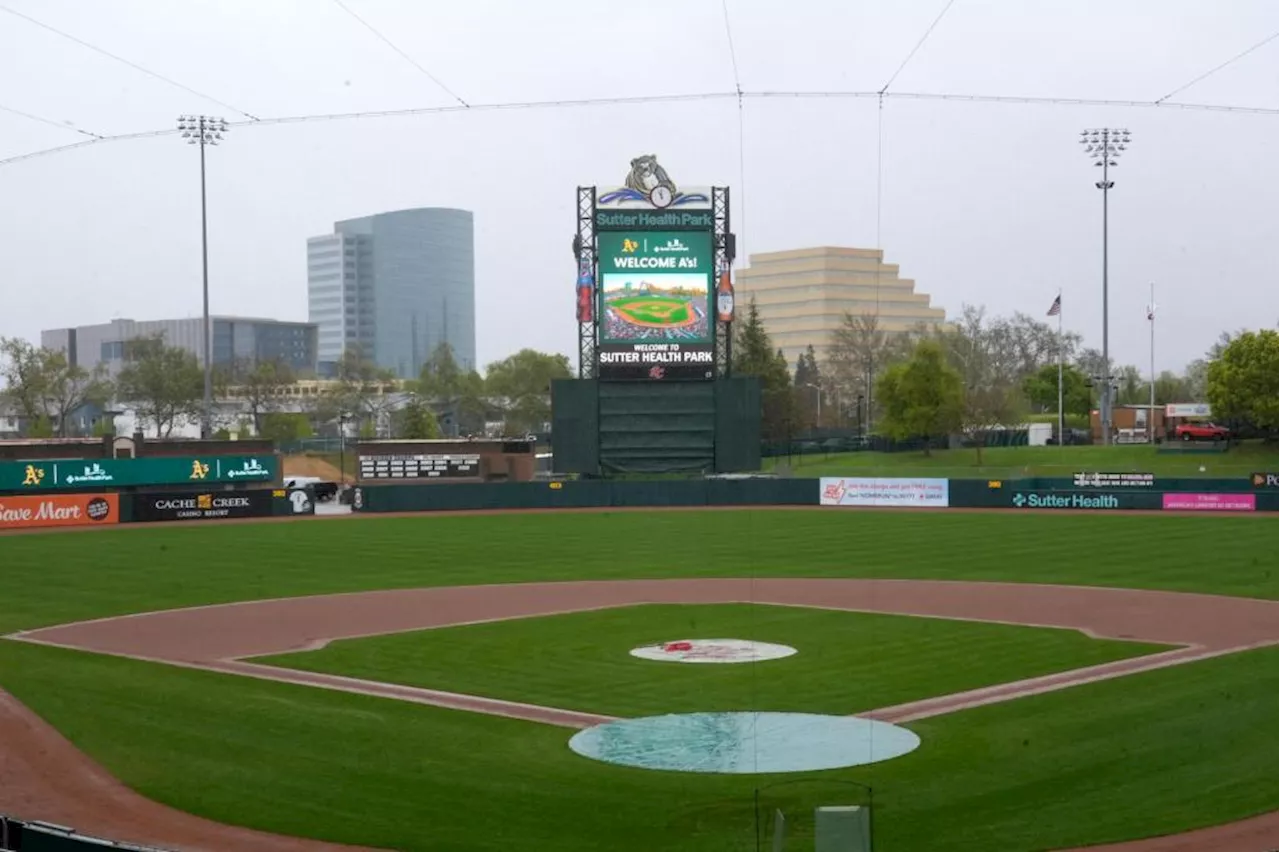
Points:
[(803, 295)]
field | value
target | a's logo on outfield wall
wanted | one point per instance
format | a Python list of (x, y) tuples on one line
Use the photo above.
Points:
[(713, 651)]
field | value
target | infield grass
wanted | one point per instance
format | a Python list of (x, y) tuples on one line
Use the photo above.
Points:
[(846, 662), (51, 578), (1148, 754)]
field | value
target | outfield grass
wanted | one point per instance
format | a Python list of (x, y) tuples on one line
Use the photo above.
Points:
[(1152, 753), (52, 578), (846, 661), (1146, 754), (1015, 462)]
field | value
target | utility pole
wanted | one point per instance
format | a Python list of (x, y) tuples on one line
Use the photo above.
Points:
[(204, 130), (1104, 145)]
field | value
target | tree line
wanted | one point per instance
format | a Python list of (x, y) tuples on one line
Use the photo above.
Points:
[(164, 386), (981, 372)]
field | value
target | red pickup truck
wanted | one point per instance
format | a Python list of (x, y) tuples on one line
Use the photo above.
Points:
[(1201, 432)]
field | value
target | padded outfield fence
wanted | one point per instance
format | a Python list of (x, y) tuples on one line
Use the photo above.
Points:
[(1215, 495)]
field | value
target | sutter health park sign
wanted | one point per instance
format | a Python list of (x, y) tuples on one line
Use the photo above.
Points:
[(92, 474), (655, 305)]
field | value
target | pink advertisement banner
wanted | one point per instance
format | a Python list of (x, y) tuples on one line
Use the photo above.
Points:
[(1211, 502)]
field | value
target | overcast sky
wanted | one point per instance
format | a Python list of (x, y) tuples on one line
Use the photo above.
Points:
[(985, 203)]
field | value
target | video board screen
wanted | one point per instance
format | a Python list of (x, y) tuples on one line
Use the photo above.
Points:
[(655, 305)]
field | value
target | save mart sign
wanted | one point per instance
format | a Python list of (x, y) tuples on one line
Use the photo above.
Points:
[(87, 474)]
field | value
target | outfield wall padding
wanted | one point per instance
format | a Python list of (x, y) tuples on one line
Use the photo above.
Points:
[(580, 494), (588, 494)]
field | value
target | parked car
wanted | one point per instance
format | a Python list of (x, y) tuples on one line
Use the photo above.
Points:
[(1201, 432), (324, 490)]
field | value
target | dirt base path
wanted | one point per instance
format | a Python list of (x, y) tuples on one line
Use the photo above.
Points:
[(220, 637)]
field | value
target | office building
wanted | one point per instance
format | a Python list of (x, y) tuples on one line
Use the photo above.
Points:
[(803, 295), (396, 285), (236, 340)]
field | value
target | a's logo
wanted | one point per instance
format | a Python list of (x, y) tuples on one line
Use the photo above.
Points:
[(199, 470), (1019, 500), (33, 475), (657, 372), (629, 245), (204, 501)]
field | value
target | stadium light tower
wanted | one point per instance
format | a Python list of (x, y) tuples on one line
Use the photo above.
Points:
[(1104, 145), (204, 130)]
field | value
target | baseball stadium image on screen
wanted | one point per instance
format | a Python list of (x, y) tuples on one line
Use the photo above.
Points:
[(654, 308)]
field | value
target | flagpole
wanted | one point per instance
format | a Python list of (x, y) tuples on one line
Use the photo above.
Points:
[(1062, 434), (1151, 410)]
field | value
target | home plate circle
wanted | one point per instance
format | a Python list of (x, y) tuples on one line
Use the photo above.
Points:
[(713, 651)]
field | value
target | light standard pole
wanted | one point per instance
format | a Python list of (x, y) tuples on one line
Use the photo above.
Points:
[(204, 130), (1104, 145), (819, 396)]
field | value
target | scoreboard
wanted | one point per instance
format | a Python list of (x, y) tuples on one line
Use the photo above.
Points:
[(421, 466)]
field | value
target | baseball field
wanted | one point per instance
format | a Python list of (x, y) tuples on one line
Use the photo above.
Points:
[(413, 682), (653, 310)]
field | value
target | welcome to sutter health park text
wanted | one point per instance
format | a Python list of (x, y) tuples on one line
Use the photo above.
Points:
[(657, 353)]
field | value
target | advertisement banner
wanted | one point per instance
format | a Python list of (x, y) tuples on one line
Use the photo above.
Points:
[(50, 474), (1264, 480), (206, 506), (902, 493), (1211, 502), (1187, 409), (654, 305), (1113, 480), (58, 510), (1077, 500)]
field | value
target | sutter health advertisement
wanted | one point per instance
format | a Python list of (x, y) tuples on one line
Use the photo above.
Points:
[(655, 310), (902, 493)]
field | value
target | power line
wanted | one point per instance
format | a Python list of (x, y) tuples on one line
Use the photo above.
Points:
[(656, 99), (885, 87), (51, 122), (733, 53), (124, 61), (1215, 70), (406, 57), (742, 123)]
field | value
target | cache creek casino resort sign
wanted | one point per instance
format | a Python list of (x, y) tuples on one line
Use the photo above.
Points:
[(653, 292)]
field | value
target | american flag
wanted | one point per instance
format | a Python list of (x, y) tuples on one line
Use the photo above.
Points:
[(1055, 308), (1151, 313)]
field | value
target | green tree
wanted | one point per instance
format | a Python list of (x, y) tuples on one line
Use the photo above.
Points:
[(1041, 389), (456, 395), (44, 383), (283, 427), (41, 427), (1170, 387), (363, 393), (809, 383), (415, 420), (922, 398), (260, 385), (164, 383), (1243, 383), (520, 386), (754, 355)]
